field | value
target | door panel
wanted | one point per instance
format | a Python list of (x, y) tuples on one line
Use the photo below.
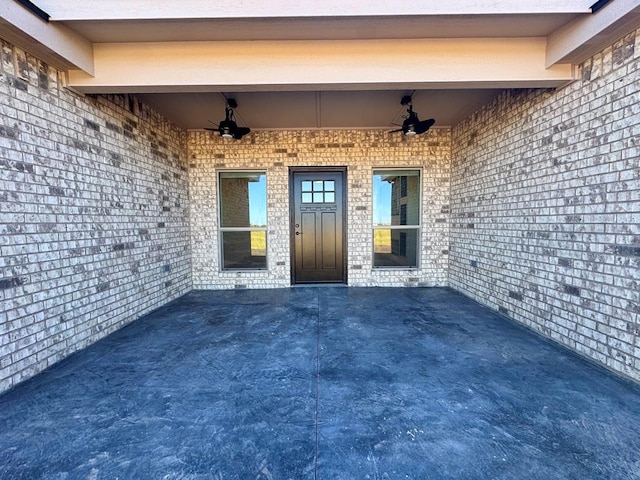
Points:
[(329, 247), (318, 226), (306, 238)]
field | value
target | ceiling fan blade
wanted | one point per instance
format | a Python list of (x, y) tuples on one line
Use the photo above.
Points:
[(241, 132), (394, 131), (424, 125), (217, 129)]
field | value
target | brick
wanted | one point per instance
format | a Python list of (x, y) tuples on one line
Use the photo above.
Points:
[(65, 207), (555, 205)]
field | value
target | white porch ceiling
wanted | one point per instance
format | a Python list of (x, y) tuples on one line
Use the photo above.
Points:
[(326, 109)]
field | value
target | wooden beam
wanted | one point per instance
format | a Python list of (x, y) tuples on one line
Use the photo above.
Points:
[(320, 65)]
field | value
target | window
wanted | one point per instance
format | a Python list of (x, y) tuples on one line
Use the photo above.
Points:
[(319, 191), (243, 220), (396, 218)]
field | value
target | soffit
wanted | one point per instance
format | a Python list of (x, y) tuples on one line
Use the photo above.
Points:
[(207, 9), (324, 28)]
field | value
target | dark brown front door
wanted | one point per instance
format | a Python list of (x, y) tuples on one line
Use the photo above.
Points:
[(318, 226)]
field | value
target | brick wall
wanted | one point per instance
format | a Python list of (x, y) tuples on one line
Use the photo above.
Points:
[(360, 151), (93, 215), (546, 208)]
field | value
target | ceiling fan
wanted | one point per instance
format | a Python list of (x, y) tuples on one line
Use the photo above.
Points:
[(412, 124), (228, 128)]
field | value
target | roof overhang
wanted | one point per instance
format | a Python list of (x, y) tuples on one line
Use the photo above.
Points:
[(54, 43), (139, 10), (199, 46), (586, 35)]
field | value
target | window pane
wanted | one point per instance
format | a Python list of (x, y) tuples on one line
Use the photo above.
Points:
[(329, 186), (330, 197), (306, 186), (307, 198), (317, 198), (242, 250), (396, 197), (243, 199), (395, 247), (318, 186)]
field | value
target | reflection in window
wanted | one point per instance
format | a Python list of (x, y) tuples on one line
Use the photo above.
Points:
[(396, 218), (244, 250), (243, 220)]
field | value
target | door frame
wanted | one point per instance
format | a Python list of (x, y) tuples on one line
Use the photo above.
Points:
[(292, 213)]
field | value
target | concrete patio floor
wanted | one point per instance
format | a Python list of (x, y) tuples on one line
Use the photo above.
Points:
[(326, 383)]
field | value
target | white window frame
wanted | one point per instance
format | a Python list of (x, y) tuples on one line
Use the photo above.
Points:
[(417, 227), (222, 229)]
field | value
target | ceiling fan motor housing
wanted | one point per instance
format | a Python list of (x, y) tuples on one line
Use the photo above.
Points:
[(228, 128)]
